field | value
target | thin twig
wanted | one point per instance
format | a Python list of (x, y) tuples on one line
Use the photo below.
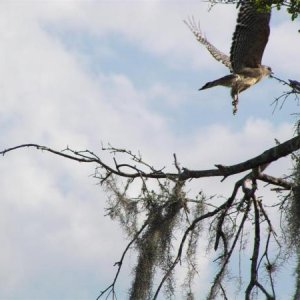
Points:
[(120, 262)]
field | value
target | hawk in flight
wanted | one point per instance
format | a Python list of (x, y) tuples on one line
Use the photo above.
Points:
[(248, 44)]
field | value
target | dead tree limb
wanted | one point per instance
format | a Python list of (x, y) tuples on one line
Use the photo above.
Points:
[(87, 156)]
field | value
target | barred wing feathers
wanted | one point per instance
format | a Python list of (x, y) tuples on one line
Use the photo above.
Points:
[(250, 37), (216, 53)]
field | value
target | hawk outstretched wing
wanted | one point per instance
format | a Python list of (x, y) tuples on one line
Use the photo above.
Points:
[(250, 37), (216, 53)]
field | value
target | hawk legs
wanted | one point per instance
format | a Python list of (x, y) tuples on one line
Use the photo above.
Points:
[(239, 82), (235, 102), (233, 81)]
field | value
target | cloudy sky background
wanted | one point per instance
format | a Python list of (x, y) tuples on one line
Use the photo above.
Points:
[(125, 72)]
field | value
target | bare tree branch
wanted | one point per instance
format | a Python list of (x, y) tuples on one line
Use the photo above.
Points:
[(266, 157), (224, 214)]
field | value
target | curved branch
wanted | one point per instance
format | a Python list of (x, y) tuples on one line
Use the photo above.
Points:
[(266, 157), (275, 181), (221, 271), (255, 252)]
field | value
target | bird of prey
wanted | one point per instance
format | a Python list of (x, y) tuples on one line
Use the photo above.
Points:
[(248, 44)]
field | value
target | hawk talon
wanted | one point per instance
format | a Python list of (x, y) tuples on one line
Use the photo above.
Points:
[(235, 104)]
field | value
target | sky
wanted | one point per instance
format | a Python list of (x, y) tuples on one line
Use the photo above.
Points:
[(82, 73)]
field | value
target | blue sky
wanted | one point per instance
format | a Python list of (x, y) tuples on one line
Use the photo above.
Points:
[(126, 72)]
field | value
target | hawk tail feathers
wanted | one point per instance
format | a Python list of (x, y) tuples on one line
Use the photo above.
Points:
[(223, 81)]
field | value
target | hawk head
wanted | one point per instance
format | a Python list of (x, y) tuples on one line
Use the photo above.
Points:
[(267, 71)]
